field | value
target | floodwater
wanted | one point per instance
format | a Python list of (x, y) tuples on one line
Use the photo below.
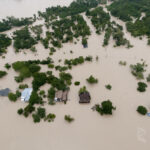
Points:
[(26, 8), (124, 130)]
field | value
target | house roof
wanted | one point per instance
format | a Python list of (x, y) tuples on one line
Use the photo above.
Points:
[(84, 97), (4, 92), (26, 93), (61, 95)]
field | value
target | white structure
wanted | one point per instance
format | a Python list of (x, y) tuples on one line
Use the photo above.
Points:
[(25, 95)]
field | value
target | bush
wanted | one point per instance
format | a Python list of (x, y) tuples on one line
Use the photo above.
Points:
[(50, 117), (20, 111), (42, 92), (138, 69), (142, 110), (148, 78), (77, 83), (51, 66), (34, 68), (88, 58), (92, 80), (66, 77), (18, 93), (35, 99), (7, 66), (122, 63), (19, 79), (23, 39), (41, 112), (84, 42), (39, 80), (23, 86), (109, 87), (106, 108), (18, 65), (36, 118), (141, 87), (12, 97), (3, 73), (82, 90), (68, 118), (51, 95), (29, 109), (5, 41)]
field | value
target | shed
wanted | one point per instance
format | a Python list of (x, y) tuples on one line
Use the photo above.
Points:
[(26, 93), (85, 46), (4, 92), (84, 97), (65, 95), (61, 96), (58, 95)]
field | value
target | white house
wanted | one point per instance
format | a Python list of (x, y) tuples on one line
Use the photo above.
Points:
[(25, 95)]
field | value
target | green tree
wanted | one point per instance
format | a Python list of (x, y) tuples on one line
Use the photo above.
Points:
[(142, 110)]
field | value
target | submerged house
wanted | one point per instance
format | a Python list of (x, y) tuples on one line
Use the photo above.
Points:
[(25, 95), (85, 45), (4, 92), (84, 97), (61, 96)]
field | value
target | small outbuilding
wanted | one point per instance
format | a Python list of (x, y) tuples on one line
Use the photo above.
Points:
[(84, 97), (25, 95), (4, 92), (61, 96), (85, 46)]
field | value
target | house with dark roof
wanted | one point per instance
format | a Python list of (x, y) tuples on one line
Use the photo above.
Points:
[(84, 97)]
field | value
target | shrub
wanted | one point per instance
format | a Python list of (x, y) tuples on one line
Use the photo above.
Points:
[(82, 90), (84, 42), (57, 83), (92, 80), (51, 66), (77, 83), (138, 69), (34, 68), (18, 65), (50, 117), (106, 108), (142, 110), (7, 66), (35, 99), (33, 49), (51, 95), (88, 58), (36, 118), (122, 63), (109, 87), (29, 109), (41, 112), (19, 79), (20, 111), (42, 92), (18, 93), (148, 78), (141, 87), (5, 41), (23, 86), (26, 114), (12, 97), (23, 39), (68, 118), (39, 80), (66, 77), (3, 73)]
